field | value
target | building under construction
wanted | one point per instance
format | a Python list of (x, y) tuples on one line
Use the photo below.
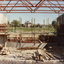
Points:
[(3, 33), (18, 50), (3, 29)]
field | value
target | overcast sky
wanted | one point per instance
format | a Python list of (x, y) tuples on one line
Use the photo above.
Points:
[(39, 17)]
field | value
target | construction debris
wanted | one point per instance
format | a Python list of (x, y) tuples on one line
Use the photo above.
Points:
[(37, 55)]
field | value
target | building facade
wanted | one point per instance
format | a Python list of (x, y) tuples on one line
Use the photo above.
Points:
[(28, 24), (3, 29)]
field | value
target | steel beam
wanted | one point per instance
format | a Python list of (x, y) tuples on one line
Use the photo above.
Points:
[(14, 5), (35, 6), (32, 0), (31, 6), (30, 10)]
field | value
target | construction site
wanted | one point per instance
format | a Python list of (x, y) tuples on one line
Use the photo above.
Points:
[(32, 47)]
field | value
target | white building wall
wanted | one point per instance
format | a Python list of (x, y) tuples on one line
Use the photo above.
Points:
[(3, 19)]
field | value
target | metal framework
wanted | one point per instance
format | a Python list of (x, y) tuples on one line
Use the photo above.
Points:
[(32, 6)]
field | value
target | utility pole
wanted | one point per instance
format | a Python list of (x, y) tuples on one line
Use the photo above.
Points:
[(5, 36), (20, 30), (48, 23), (13, 28), (34, 31), (32, 26), (44, 24)]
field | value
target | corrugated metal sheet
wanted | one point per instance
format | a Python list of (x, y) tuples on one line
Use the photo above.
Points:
[(60, 39), (60, 29), (60, 19), (60, 26)]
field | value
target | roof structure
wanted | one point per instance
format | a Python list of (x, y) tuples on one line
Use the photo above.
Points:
[(32, 6)]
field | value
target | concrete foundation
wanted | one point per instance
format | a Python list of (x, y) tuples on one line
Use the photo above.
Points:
[(17, 45)]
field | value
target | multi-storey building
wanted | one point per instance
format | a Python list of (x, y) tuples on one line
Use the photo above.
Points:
[(3, 29)]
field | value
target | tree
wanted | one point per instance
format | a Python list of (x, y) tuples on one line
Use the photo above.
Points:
[(54, 24), (15, 23), (27, 22), (38, 25), (8, 23)]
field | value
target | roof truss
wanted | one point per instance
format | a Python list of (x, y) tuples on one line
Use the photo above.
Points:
[(32, 6)]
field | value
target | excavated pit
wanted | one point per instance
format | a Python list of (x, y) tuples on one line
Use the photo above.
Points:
[(10, 55)]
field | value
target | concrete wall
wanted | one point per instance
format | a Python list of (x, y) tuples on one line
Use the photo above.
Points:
[(18, 45), (3, 19), (2, 39)]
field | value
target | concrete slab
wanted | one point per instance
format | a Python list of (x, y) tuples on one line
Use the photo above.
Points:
[(19, 45)]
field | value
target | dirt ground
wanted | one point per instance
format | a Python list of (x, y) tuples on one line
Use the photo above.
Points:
[(9, 55), (23, 35)]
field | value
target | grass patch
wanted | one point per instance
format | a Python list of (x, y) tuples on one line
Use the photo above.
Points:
[(30, 29)]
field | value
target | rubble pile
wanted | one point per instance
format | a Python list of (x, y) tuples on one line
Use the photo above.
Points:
[(1, 47), (9, 53)]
